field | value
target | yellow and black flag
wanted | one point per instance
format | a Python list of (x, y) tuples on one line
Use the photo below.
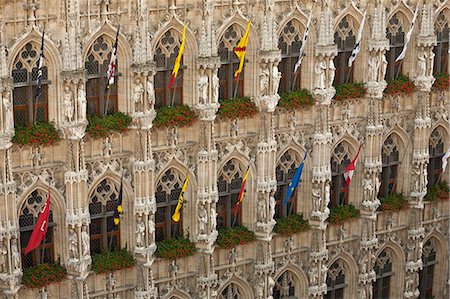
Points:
[(176, 215), (118, 210)]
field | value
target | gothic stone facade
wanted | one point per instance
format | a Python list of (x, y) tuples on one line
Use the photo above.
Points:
[(395, 254)]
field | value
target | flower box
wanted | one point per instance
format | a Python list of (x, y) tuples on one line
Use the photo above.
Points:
[(36, 134), (439, 191), (290, 225), (442, 82), (401, 85), (42, 275), (296, 99), (236, 108), (393, 202), (112, 261), (233, 236), (171, 249), (101, 127), (339, 214), (174, 116), (352, 90)]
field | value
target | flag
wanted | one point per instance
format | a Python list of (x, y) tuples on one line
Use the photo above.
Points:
[(408, 36), (445, 160), (241, 191), (40, 66), (118, 210), (295, 180), (176, 215), (40, 229), (357, 46), (113, 62), (177, 65), (302, 48), (348, 173), (240, 51)]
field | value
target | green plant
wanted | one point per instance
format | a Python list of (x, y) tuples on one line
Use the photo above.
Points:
[(112, 261), (236, 108), (351, 90), (339, 214), (439, 191), (233, 236), (174, 116), (175, 248), (41, 133), (401, 85), (42, 275), (100, 127), (442, 82), (291, 225), (393, 202), (296, 99)]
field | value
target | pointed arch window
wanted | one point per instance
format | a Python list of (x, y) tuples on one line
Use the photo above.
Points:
[(232, 291), (286, 168), (436, 152), (396, 36), (228, 185), (383, 270), (335, 281), (290, 42), (284, 287), (339, 161), (229, 63), (29, 105), (441, 49), (102, 202), (29, 214), (390, 162), (426, 275), (345, 40), (165, 56), (167, 192)]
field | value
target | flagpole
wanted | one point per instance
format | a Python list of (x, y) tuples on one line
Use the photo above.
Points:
[(294, 82), (399, 69), (35, 99), (349, 73), (237, 84)]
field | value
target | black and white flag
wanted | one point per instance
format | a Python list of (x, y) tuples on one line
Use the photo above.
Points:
[(357, 46), (408, 36), (40, 66), (302, 49)]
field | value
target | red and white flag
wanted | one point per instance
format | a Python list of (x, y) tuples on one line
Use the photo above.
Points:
[(113, 62), (40, 229), (348, 174), (445, 160)]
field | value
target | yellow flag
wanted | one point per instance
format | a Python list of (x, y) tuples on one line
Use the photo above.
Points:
[(240, 51), (176, 67), (176, 215)]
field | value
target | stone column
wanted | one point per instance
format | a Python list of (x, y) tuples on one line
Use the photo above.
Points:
[(323, 92)]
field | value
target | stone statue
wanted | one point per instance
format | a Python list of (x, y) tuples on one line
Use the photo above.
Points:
[(232, 256), (317, 198), (213, 219), (73, 244), (270, 285), (415, 178), (202, 219), (313, 276), (362, 293), (377, 185), (367, 187), (3, 258), (320, 72), (327, 194), (173, 269), (264, 79), (203, 87), (331, 73), (288, 244), (363, 264), (140, 232), (260, 287), (138, 93), (421, 63), (15, 256), (85, 239), (369, 291), (82, 104), (9, 115), (276, 77), (151, 98), (383, 67), (68, 103), (374, 64), (424, 179), (215, 88), (272, 204), (261, 210), (430, 64)]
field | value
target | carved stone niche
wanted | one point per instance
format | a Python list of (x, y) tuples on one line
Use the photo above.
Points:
[(207, 88), (142, 104), (268, 80)]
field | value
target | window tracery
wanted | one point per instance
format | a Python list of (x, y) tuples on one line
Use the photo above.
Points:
[(442, 25), (383, 271), (345, 40), (339, 161), (396, 36), (335, 281), (290, 42), (284, 287), (436, 152), (426, 275), (285, 170), (390, 158), (232, 291)]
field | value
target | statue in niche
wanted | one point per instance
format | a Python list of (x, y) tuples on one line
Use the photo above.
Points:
[(331, 73), (150, 93), (202, 219), (374, 64), (424, 178), (232, 256), (138, 93), (276, 77), (73, 244), (383, 67), (430, 64), (261, 209), (272, 204), (213, 219), (317, 197), (9, 115), (3, 258), (15, 256), (363, 264), (203, 87), (85, 239), (320, 73), (327, 194), (68, 103), (215, 88), (82, 103), (313, 276), (367, 187), (140, 232), (260, 287), (421, 62), (264, 79), (416, 178)]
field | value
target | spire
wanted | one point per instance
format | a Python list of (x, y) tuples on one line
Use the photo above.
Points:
[(378, 22), (426, 24), (326, 25)]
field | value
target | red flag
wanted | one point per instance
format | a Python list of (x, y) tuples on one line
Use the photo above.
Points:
[(348, 173), (40, 229)]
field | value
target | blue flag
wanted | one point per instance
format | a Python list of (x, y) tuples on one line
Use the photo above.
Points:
[(295, 180)]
